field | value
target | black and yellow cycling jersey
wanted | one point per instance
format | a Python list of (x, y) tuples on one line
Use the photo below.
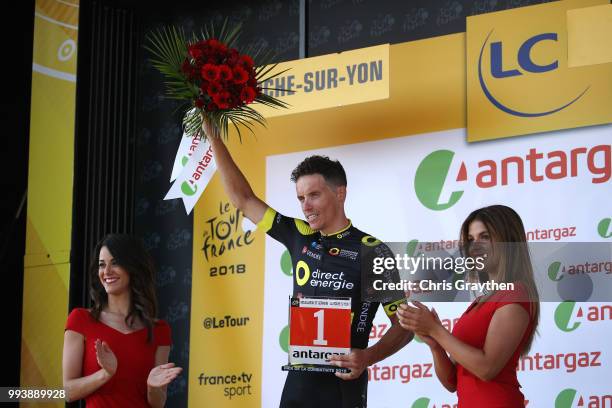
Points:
[(328, 265)]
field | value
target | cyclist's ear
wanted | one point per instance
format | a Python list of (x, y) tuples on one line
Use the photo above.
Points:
[(341, 193)]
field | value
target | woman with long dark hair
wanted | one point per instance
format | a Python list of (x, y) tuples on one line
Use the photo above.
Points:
[(479, 358), (116, 353)]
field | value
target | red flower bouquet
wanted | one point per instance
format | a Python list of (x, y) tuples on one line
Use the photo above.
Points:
[(212, 77)]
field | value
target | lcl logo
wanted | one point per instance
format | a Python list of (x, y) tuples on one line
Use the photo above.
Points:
[(523, 57), (526, 63)]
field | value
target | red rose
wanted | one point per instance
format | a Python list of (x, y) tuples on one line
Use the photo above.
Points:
[(225, 73), (195, 52), (214, 88), (199, 103), (247, 61), (187, 69), (210, 72), (233, 57), (212, 43), (240, 75), (208, 58), (248, 94), (222, 99), (216, 46), (211, 107)]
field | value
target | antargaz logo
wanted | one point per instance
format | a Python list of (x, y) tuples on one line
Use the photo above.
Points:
[(425, 402), (411, 247), (567, 399), (430, 178), (532, 166), (603, 228), (564, 315), (283, 339), (527, 64), (422, 402), (285, 263), (189, 189), (553, 271), (568, 318)]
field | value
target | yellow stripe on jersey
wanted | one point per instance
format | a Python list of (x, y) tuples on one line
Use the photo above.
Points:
[(339, 231), (266, 222), (303, 227), (391, 308)]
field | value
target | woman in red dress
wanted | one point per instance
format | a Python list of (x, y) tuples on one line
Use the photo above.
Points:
[(116, 353), (479, 358)]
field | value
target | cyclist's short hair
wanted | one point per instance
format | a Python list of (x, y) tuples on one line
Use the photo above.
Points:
[(331, 170)]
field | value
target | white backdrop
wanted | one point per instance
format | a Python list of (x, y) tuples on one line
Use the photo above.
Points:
[(382, 201)]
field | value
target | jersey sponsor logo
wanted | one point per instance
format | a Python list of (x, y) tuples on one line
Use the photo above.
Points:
[(316, 246), (319, 279), (343, 234), (332, 280), (363, 320), (344, 253), (311, 254), (369, 240), (391, 308), (302, 273)]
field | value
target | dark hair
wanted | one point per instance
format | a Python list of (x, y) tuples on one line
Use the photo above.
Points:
[(331, 170), (505, 226), (129, 253)]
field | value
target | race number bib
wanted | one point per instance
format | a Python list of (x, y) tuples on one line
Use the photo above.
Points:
[(319, 328)]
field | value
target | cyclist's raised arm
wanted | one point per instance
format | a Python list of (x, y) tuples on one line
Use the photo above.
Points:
[(235, 184)]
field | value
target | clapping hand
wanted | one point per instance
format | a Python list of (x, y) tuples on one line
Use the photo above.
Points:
[(418, 319), (430, 341), (106, 358), (163, 375)]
